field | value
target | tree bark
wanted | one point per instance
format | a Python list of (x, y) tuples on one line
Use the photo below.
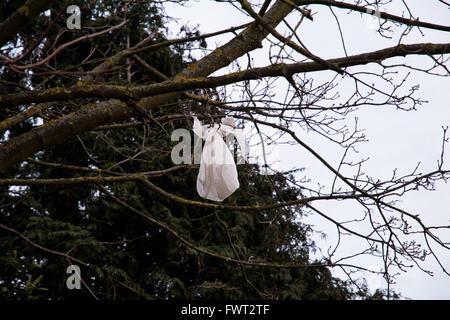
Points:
[(20, 18), (19, 148)]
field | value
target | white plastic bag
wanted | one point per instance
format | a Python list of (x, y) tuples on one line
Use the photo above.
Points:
[(217, 178)]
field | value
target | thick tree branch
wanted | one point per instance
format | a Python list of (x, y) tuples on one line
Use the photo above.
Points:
[(182, 83), (19, 19)]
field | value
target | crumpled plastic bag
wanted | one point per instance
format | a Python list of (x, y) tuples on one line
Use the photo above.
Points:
[(217, 178)]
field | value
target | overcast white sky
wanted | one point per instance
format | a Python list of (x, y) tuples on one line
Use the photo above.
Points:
[(397, 139)]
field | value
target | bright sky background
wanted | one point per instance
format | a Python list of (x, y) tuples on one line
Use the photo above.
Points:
[(397, 139)]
